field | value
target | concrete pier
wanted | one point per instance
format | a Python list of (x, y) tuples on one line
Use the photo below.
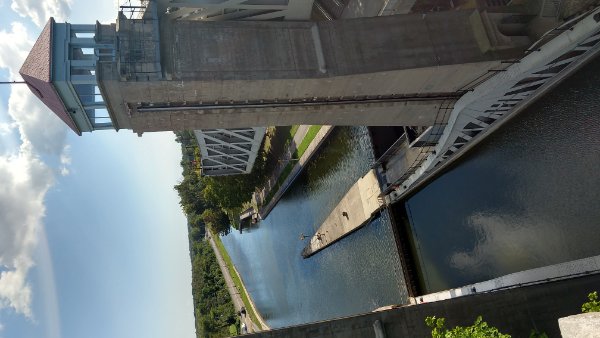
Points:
[(351, 213)]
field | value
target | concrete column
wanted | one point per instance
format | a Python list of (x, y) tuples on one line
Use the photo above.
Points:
[(83, 42), (83, 28), (85, 57), (83, 79), (83, 64), (97, 105)]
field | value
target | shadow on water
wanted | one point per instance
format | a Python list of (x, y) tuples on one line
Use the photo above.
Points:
[(525, 197), (330, 156)]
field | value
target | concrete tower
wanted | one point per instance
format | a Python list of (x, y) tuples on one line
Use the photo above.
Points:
[(153, 72)]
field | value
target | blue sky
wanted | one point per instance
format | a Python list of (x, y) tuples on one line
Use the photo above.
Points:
[(92, 240)]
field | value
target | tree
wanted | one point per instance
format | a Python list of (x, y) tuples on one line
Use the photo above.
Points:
[(479, 329), (196, 234), (190, 194), (217, 220), (593, 305)]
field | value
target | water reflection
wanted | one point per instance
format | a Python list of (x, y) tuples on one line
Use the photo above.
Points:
[(526, 197), (290, 290)]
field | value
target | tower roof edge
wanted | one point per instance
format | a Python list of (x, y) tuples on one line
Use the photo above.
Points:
[(37, 73)]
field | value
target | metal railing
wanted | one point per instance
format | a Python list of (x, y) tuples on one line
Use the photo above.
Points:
[(440, 121)]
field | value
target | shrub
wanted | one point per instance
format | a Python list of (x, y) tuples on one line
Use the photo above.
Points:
[(593, 305), (479, 329)]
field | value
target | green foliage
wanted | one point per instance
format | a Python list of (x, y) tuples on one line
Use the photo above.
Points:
[(216, 220), (195, 234), (222, 192), (190, 196), (233, 191), (593, 305), (233, 331), (213, 308), (479, 329), (282, 177), (294, 129), (203, 201)]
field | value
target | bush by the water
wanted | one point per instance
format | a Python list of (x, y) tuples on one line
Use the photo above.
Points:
[(479, 329), (593, 305)]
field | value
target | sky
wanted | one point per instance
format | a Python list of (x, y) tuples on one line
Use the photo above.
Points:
[(93, 242)]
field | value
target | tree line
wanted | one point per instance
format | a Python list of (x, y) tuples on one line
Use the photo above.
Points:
[(211, 204)]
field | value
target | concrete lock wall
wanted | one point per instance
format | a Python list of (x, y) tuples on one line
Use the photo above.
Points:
[(207, 63), (514, 311)]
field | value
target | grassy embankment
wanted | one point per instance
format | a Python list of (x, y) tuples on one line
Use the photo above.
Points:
[(237, 281), (300, 150), (294, 129)]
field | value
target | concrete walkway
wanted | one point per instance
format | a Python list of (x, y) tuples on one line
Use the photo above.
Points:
[(351, 213), (236, 298)]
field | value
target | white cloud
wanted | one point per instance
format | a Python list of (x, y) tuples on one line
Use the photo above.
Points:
[(14, 47), (36, 123), (24, 177), (6, 128), (24, 180), (40, 11), (65, 161), (509, 243)]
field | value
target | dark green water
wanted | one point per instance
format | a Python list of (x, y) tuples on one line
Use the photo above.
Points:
[(527, 197), (357, 274)]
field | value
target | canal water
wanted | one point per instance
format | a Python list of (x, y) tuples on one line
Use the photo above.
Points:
[(355, 275), (525, 197)]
